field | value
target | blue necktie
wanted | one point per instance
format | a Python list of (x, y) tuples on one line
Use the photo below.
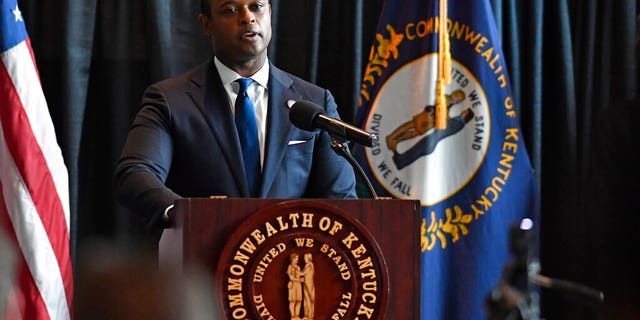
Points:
[(248, 133)]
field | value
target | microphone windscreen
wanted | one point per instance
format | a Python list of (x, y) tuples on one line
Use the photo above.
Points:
[(303, 114)]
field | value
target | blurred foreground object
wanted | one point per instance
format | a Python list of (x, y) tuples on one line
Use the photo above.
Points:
[(121, 284)]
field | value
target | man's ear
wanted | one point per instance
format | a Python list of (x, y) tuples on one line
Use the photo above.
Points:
[(205, 24)]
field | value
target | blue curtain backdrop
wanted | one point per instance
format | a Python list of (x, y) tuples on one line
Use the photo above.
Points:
[(573, 70)]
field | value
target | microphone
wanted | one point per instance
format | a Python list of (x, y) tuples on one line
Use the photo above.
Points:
[(309, 116)]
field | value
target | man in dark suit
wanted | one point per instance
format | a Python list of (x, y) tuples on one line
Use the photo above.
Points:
[(184, 142)]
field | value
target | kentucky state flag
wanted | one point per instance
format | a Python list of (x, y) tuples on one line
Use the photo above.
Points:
[(473, 178)]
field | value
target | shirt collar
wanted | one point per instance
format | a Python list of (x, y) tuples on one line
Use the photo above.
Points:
[(228, 76)]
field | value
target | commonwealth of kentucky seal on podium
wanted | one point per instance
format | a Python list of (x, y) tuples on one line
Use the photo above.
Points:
[(302, 260)]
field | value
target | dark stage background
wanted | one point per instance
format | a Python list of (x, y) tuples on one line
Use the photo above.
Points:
[(573, 66)]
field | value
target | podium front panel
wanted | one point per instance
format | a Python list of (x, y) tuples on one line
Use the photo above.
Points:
[(214, 233)]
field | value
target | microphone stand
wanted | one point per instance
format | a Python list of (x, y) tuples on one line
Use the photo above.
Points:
[(338, 145), (585, 293), (516, 295)]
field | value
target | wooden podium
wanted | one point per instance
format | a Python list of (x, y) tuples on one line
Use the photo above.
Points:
[(311, 258)]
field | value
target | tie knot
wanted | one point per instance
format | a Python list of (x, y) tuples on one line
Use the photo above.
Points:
[(244, 84)]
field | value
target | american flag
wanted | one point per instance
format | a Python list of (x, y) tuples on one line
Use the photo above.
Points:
[(34, 192)]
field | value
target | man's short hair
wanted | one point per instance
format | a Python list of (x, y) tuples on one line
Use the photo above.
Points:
[(205, 7)]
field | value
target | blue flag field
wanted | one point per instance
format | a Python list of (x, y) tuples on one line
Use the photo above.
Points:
[(473, 177)]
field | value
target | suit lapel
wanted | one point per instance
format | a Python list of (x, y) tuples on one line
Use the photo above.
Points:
[(278, 125), (210, 97)]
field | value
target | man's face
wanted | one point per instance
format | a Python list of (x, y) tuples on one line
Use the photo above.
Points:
[(240, 30)]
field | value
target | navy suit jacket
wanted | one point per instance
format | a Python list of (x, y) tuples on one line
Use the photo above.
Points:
[(184, 143)]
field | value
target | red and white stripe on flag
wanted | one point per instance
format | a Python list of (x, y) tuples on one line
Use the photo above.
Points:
[(34, 196)]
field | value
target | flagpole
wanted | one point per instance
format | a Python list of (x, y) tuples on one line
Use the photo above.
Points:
[(444, 67)]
